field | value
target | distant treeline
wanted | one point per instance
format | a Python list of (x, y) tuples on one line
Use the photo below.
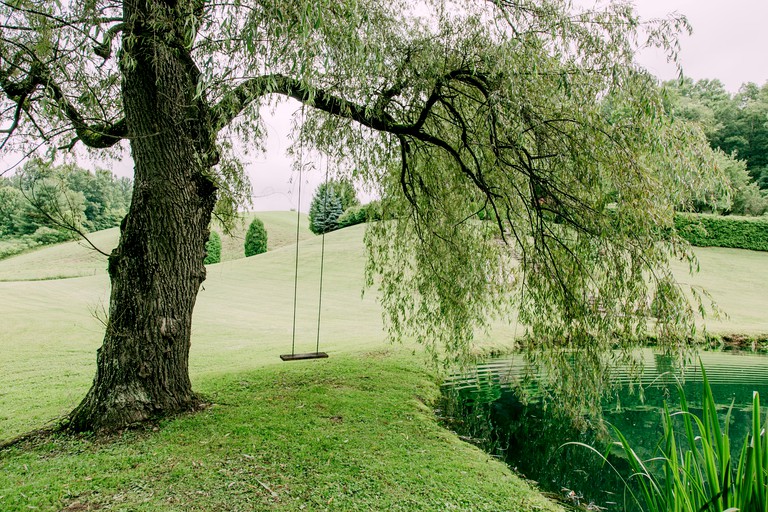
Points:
[(735, 125), (47, 204)]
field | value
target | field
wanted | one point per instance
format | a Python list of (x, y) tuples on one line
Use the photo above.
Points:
[(347, 433), (78, 259)]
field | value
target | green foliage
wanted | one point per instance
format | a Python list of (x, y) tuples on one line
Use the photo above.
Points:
[(705, 230), (331, 199), (360, 214), (16, 245), (255, 238), (11, 201), (693, 470), (735, 124), (738, 194), (346, 192), (49, 236), (747, 198), (213, 249), (62, 197)]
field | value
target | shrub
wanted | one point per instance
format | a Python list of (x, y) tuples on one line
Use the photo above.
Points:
[(255, 238), (352, 216), (359, 214), (723, 231), (49, 236), (347, 194), (16, 245), (213, 249)]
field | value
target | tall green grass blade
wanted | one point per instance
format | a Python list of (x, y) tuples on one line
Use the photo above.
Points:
[(700, 476), (758, 455)]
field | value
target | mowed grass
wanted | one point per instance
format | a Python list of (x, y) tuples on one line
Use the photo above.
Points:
[(354, 432), (737, 281), (79, 259), (327, 435), (243, 320), (281, 231)]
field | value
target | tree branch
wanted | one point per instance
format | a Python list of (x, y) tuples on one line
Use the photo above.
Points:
[(101, 135)]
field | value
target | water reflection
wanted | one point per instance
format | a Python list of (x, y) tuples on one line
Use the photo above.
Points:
[(484, 408)]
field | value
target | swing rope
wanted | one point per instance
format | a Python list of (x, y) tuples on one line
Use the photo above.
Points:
[(296, 269), (293, 356), (322, 259)]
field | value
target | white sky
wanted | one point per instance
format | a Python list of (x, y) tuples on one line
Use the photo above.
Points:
[(729, 42)]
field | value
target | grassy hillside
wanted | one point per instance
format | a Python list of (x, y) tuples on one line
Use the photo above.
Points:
[(281, 231), (353, 432), (78, 259), (243, 318), (335, 434), (736, 279)]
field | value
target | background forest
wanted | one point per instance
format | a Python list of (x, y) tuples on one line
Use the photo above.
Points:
[(736, 125), (45, 204)]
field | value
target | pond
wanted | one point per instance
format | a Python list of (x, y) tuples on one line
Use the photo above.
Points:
[(484, 408)]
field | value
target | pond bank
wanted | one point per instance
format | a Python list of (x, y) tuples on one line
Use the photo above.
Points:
[(542, 441)]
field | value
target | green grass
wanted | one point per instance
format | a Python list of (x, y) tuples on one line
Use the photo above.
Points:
[(327, 435), (243, 320), (348, 433), (279, 413), (736, 279), (281, 232)]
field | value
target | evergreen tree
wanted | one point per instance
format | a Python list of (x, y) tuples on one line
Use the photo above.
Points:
[(213, 249), (255, 238), (328, 204)]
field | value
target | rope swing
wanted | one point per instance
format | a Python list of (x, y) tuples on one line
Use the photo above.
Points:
[(293, 356)]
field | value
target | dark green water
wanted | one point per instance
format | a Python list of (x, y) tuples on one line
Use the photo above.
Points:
[(485, 409)]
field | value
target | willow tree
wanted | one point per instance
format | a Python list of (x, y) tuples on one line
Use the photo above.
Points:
[(531, 112)]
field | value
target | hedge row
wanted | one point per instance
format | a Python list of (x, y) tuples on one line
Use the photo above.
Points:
[(705, 230)]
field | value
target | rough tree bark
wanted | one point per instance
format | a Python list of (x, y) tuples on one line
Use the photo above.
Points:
[(157, 268)]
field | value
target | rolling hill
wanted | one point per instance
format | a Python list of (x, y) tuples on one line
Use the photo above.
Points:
[(243, 318), (79, 259)]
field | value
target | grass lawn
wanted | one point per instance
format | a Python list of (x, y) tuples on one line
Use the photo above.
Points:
[(347, 433), (736, 278), (354, 432), (243, 318)]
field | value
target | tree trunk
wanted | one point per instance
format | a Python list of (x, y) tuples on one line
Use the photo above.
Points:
[(157, 268)]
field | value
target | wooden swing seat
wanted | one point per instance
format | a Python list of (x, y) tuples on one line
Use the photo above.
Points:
[(298, 357)]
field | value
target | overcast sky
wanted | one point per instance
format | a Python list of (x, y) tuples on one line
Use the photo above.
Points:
[(729, 42)]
